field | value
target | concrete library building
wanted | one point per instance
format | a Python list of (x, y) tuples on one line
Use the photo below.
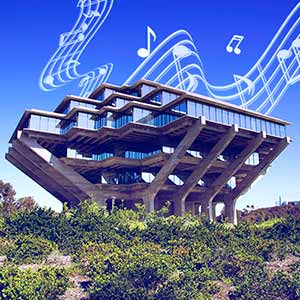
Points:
[(147, 143)]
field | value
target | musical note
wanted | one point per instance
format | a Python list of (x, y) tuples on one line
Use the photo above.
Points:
[(63, 38), (91, 14), (84, 3), (180, 52), (193, 83), (63, 66), (236, 49), (264, 80), (260, 89), (145, 52), (250, 87), (282, 56)]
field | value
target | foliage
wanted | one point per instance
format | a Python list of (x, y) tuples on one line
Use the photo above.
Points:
[(29, 249), (10, 205), (143, 271), (132, 255), (5, 246), (43, 284)]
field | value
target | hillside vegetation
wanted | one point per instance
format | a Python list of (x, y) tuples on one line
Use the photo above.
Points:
[(131, 255)]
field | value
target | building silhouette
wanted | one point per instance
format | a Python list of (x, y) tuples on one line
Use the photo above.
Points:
[(147, 143)]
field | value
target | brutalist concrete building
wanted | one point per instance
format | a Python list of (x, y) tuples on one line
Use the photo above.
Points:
[(150, 144)]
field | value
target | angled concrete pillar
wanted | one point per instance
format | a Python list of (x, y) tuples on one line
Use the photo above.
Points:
[(205, 164), (258, 170), (174, 160), (221, 181), (69, 179)]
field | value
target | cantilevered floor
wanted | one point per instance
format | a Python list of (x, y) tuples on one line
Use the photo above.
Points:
[(157, 145)]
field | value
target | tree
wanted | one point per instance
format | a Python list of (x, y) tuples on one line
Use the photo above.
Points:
[(6, 191), (26, 204), (9, 204)]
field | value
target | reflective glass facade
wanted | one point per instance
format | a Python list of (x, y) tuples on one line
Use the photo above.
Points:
[(73, 104), (189, 107), (139, 155), (43, 123), (225, 116)]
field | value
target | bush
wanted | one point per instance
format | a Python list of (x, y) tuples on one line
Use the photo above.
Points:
[(5, 246), (143, 271), (29, 249), (43, 284)]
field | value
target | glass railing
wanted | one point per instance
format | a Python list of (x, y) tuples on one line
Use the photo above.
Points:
[(148, 117), (74, 104), (43, 123), (224, 116)]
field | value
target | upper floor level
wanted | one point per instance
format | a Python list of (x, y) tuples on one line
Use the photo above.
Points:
[(147, 103)]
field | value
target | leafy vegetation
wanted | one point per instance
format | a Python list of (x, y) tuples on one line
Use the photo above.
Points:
[(45, 283), (29, 249), (133, 255)]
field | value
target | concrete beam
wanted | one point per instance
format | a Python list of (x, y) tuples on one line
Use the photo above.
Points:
[(258, 170), (202, 168), (221, 181), (174, 160), (44, 182), (48, 177), (62, 173)]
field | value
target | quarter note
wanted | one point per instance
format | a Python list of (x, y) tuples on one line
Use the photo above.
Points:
[(179, 52), (235, 39), (145, 52), (283, 56)]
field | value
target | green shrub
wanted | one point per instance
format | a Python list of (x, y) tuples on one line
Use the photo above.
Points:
[(143, 271), (5, 246), (43, 284), (280, 287), (29, 249)]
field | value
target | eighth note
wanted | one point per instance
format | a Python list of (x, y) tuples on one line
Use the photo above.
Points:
[(238, 39), (145, 52)]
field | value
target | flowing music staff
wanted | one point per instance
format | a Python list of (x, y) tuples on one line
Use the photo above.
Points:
[(176, 62), (63, 66)]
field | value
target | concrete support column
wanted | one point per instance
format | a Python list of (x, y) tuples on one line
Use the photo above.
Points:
[(204, 209), (197, 206), (113, 200), (207, 209), (149, 203), (179, 207), (214, 213), (101, 201), (230, 212)]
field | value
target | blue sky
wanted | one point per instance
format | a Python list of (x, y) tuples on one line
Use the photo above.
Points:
[(30, 33)]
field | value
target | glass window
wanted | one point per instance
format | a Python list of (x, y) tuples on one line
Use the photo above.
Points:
[(191, 108), (206, 112), (120, 102), (231, 118), (34, 122), (213, 113), (157, 98), (168, 97), (146, 89), (199, 110), (219, 115), (225, 117), (100, 97)]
